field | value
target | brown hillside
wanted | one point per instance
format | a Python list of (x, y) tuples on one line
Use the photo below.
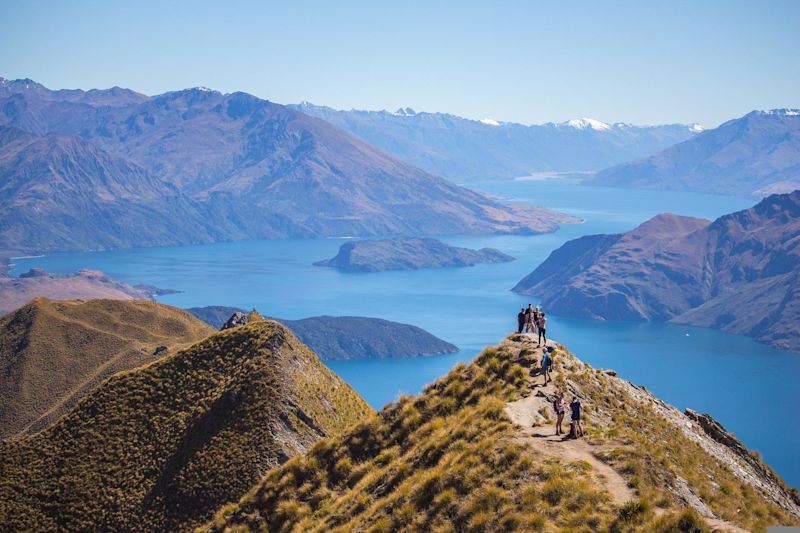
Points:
[(159, 448), (53, 353)]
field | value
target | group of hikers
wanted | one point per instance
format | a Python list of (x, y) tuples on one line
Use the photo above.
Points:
[(532, 320), (559, 403)]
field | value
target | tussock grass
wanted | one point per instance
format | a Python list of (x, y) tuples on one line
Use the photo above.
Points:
[(162, 447), (54, 353)]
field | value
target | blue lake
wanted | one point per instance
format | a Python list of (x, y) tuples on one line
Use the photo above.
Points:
[(742, 383)]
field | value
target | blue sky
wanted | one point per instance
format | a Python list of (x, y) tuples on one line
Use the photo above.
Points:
[(530, 62)]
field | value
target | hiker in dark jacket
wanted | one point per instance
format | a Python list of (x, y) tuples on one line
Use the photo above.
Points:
[(521, 317), (575, 428)]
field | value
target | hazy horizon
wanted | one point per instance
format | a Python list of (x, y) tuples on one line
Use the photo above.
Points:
[(530, 63)]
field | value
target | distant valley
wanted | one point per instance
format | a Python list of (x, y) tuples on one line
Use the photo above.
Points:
[(739, 273), (466, 150)]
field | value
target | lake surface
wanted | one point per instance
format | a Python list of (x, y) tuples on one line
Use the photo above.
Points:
[(745, 385)]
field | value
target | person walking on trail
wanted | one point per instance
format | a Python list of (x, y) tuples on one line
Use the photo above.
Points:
[(575, 428), (547, 361), (542, 326), (559, 406), (521, 318), (529, 319)]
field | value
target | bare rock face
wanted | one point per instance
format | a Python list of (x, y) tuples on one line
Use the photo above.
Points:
[(740, 273), (236, 319)]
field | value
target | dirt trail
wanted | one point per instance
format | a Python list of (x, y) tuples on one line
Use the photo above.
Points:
[(525, 411)]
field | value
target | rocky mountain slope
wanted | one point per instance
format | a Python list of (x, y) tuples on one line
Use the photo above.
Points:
[(756, 154), (466, 150), (407, 253), (739, 273), (228, 166), (57, 190), (161, 447), (54, 353), (84, 285), (462, 456), (347, 337)]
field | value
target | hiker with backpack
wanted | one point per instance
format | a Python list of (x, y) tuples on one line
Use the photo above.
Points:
[(547, 362), (575, 428)]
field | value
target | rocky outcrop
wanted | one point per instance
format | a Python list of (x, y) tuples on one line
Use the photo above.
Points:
[(237, 319), (405, 253), (740, 273), (344, 337)]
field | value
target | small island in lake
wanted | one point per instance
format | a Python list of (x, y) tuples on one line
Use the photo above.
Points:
[(404, 253), (345, 337)]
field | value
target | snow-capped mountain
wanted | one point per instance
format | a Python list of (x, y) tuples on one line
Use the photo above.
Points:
[(757, 154), (471, 150)]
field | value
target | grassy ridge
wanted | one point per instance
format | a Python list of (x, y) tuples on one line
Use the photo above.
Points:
[(54, 353), (450, 460), (161, 447)]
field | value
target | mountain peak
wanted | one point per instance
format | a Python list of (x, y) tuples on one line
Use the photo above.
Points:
[(586, 123), (405, 112)]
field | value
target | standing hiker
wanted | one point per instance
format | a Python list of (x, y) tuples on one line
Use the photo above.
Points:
[(529, 319), (575, 428), (559, 407), (521, 320), (546, 362), (542, 326)]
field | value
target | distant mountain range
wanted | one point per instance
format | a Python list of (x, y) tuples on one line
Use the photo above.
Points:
[(113, 168), (757, 154), (465, 150), (740, 273)]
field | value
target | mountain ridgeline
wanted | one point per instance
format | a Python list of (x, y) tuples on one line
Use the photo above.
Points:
[(757, 154), (115, 169), (55, 352), (739, 273), (466, 150), (161, 447)]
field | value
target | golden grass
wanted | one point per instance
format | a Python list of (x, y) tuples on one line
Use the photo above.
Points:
[(54, 353), (449, 460), (162, 447)]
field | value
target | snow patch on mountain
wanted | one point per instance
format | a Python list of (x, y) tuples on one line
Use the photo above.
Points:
[(586, 123), (489, 122)]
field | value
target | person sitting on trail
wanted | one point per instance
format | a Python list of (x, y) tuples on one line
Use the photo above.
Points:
[(521, 320), (559, 406), (529, 319), (542, 326), (575, 428), (546, 362)]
